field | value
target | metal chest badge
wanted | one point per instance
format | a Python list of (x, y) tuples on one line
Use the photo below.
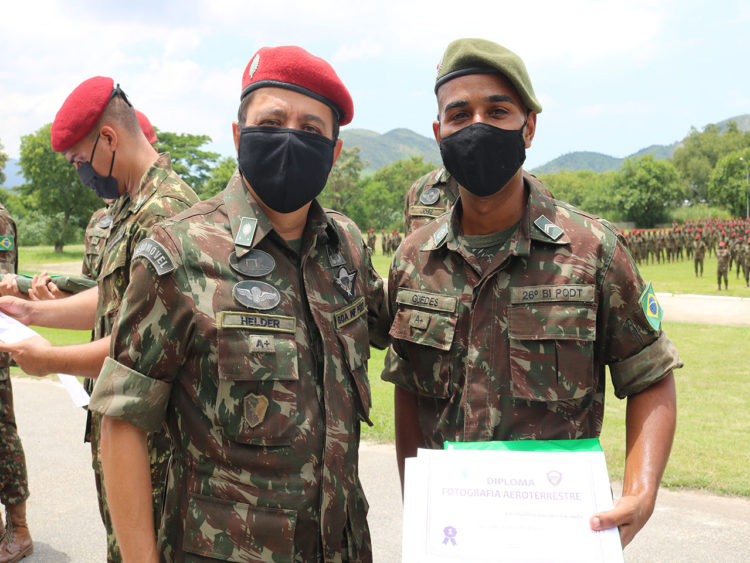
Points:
[(256, 295), (335, 258), (105, 222), (254, 264), (344, 282), (430, 196)]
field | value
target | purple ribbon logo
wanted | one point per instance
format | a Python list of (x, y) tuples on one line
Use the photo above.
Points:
[(450, 534)]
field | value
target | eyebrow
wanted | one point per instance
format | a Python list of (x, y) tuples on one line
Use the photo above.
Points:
[(499, 98), (314, 118)]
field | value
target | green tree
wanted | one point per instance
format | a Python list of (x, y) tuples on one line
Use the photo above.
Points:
[(341, 188), (590, 191), (380, 203), (701, 150), (3, 160), (644, 188), (54, 188), (189, 160), (220, 176), (728, 182)]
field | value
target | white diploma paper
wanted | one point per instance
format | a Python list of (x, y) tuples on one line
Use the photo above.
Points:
[(12, 331), (467, 505)]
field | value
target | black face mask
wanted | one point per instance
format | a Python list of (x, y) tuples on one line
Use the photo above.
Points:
[(482, 157), (104, 187), (286, 168)]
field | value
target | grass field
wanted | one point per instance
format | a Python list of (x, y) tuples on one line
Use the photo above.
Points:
[(710, 450)]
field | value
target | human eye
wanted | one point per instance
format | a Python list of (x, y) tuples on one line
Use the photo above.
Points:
[(312, 129)]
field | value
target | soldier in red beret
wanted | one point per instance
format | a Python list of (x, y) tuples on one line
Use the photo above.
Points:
[(99, 133), (245, 330)]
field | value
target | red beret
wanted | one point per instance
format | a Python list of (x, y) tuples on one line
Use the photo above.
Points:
[(146, 126), (294, 68), (80, 112)]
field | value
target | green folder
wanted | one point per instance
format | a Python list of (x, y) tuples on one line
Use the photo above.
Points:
[(583, 445)]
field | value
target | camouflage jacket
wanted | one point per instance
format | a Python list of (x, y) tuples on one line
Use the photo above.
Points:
[(722, 259), (700, 249), (8, 257), (519, 351), (435, 193), (93, 242), (429, 197), (160, 195), (261, 377)]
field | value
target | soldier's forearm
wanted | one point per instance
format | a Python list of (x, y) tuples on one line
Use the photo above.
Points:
[(76, 312), (127, 480)]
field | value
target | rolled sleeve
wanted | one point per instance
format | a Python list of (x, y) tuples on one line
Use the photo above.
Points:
[(638, 372), (127, 395)]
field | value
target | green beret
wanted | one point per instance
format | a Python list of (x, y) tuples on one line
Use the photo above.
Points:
[(479, 56)]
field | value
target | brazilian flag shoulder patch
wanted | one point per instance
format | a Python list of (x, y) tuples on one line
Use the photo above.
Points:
[(651, 307), (7, 242)]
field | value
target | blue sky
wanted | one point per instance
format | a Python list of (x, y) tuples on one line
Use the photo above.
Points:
[(612, 76)]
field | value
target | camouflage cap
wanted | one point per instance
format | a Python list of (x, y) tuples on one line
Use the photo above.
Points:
[(480, 56)]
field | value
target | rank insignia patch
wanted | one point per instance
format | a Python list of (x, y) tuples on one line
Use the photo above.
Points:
[(256, 295), (548, 227), (7, 242), (651, 307), (335, 258), (440, 234), (344, 282), (255, 409), (246, 232)]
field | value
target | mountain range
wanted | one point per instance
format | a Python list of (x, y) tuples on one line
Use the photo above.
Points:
[(378, 150)]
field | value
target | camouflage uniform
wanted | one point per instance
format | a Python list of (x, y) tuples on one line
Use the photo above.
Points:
[(435, 193), (722, 266), (161, 194), (14, 488), (699, 253), (263, 387), (518, 350)]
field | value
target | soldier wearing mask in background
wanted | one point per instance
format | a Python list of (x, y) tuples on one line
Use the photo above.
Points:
[(98, 132)]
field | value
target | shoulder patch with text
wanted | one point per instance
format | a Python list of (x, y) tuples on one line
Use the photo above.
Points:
[(156, 254)]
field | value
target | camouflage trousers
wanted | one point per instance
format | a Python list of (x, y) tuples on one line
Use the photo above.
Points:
[(160, 448), (14, 484)]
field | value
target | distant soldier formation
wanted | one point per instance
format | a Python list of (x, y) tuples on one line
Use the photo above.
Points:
[(389, 242), (727, 239)]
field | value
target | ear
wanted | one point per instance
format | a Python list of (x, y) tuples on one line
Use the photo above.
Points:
[(236, 135), (436, 131), (530, 129), (337, 149), (109, 136)]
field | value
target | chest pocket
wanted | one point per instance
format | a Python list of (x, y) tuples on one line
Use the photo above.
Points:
[(94, 253), (552, 350), (256, 401), (426, 336), (350, 324)]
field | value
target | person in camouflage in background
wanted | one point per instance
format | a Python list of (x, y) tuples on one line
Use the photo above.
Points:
[(506, 310), (245, 327), (15, 542), (97, 128), (699, 253), (722, 265)]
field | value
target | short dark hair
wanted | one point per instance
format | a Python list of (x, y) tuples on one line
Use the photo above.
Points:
[(245, 103)]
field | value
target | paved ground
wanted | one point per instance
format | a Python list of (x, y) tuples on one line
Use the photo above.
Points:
[(65, 523)]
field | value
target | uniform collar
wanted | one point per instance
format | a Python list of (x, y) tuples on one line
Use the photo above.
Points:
[(250, 225), (154, 176), (541, 223)]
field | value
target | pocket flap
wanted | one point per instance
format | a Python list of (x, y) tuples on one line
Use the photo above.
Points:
[(557, 321), (426, 328), (237, 531)]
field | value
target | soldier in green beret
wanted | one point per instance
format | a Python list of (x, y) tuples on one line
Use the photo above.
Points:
[(506, 311)]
